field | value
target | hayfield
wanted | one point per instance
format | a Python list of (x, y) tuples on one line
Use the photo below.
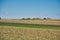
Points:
[(29, 29), (50, 24), (45, 22), (20, 33)]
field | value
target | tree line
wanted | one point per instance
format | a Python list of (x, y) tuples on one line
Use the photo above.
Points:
[(31, 18), (34, 18)]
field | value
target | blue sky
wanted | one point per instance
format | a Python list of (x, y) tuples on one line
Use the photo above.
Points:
[(29, 8)]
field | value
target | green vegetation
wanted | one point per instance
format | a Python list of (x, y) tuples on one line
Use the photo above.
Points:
[(30, 25), (0, 17), (30, 18)]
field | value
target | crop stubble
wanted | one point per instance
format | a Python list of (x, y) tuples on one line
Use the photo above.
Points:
[(44, 22), (19, 33)]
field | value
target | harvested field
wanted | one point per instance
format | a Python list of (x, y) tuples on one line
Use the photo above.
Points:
[(29, 30), (43, 22), (19, 33)]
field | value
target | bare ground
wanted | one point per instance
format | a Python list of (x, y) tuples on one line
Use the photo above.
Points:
[(19, 33)]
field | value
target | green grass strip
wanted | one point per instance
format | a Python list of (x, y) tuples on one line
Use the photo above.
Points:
[(30, 25)]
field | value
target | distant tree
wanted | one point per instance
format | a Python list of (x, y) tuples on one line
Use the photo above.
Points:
[(33, 18), (28, 18), (25, 18), (37, 18), (44, 18), (22, 18), (47, 18), (0, 17)]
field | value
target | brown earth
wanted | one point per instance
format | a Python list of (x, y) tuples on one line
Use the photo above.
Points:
[(19, 33)]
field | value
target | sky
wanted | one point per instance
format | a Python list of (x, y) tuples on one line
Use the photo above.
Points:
[(16, 9)]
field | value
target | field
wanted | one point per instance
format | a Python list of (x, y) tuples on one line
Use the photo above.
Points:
[(29, 30), (45, 22)]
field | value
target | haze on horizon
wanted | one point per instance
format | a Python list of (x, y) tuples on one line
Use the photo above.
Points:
[(15, 9)]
